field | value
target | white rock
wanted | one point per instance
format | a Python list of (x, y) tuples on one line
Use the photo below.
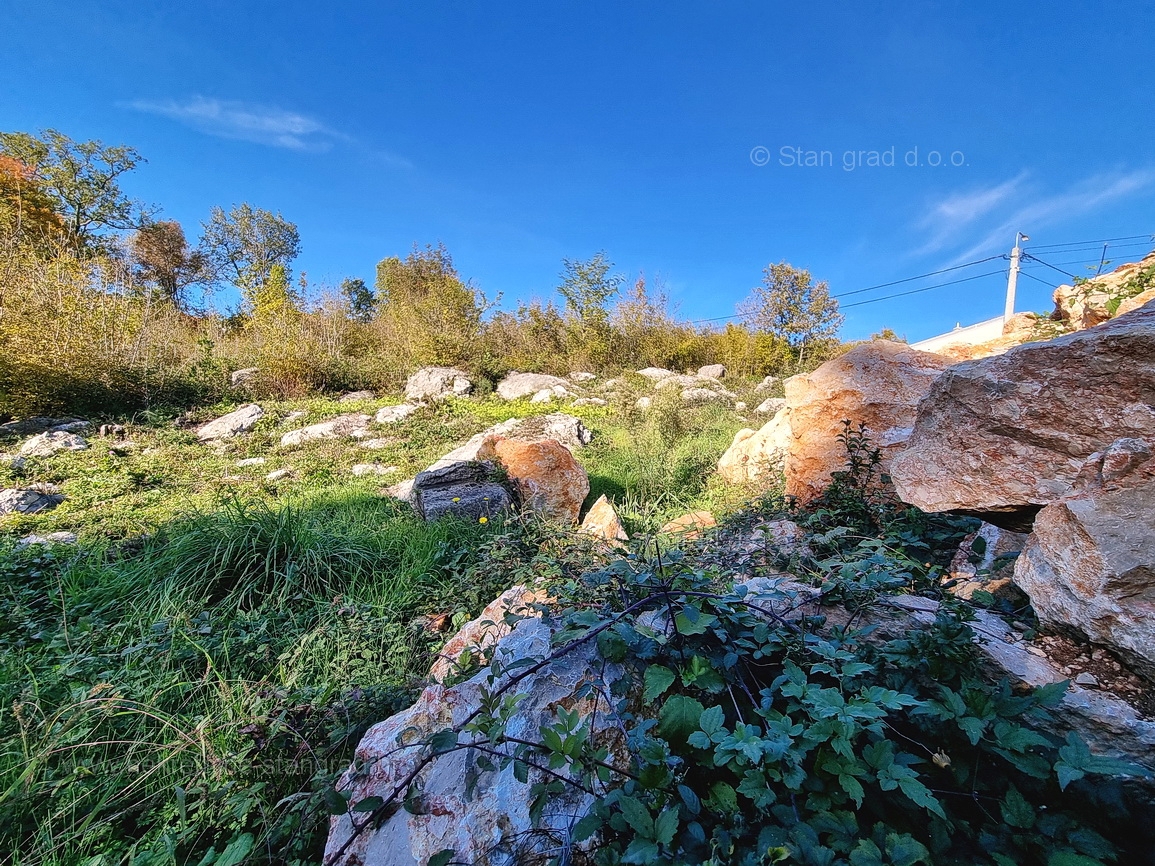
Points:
[(236, 422), (517, 385), (240, 377), (644, 403), (251, 461), (372, 469), (376, 444), (343, 426), (589, 401), (278, 474), (543, 396), (49, 539), (47, 444), (27, 501), (580, 376), (712, 371), (393, 414), (770, 406), (436, 383), (656, 373)]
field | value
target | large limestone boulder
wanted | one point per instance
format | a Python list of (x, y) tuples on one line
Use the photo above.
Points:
[(353, 425), (877, 384), (488, 822), (464, 489), (236, 422), (436, 383), (47, 444), (757, 455), (548, 479), (1000, 437), (1089, 564), (518, 385), (656, 374), (712, 371)]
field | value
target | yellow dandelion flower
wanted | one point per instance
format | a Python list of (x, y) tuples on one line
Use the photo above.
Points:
[(456, 498), (483, 520)]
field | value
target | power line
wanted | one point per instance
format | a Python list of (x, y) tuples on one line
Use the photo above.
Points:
[(923, 289), (872, 288), (1094, 241), (1038, 280), (1049, 265)]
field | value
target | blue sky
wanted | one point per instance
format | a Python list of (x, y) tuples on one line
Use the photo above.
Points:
[(522, 133)]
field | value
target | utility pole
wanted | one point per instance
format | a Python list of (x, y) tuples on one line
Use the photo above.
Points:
[(1013, 277)]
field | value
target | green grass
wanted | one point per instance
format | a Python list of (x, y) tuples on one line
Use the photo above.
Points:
[(199, 669)]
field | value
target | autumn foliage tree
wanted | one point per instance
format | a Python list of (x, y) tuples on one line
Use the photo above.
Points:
[(165, 261)]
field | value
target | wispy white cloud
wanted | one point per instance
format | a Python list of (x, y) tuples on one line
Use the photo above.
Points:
[(260, 124), (985, 220)]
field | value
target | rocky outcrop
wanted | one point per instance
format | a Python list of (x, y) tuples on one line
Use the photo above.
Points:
[(689, 526), (242, 377), (877, 384), (27, 501), (1099, 299), (487, 823), (712, 371), (353, 425), (770, 406), (357, 397), (548, 480), (52, 442), (236, 422), (41, 424), (518, 385), (757, 455), (467, 489), (655, 374), (1001, 437), (1089, 564), (394, 414), (437, 383), (985, 562), (602, 522)]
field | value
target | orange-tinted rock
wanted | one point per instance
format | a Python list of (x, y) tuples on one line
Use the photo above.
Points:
[(548, 479), (689, 526), (602, 521), (877, 384)]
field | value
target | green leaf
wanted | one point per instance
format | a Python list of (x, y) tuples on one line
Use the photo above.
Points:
[(642, 852), (443, 740), (1070, 858), (666, 826), (236, 851), (441, 858), (919, 794), (1016, 810), (336, 802), (698, 624), (637, 816), (369, 804), (587, 827), (905, 850), (693, 803), (679, 717), (724, 797), (658, 678), (852, 787)]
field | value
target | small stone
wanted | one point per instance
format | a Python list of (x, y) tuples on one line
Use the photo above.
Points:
[(740, 406), (357, 396), (1036, 651), (393, 414), (644, 403), (375, 444), (278, 474), (361, 469), (251, 461), (1087, 680), (47, 444), (50, 538)]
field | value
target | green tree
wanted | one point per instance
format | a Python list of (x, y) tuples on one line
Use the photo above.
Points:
[(244, 244), (429, 314), (587, 288), (790, 305), (360, 302), (81, 180)]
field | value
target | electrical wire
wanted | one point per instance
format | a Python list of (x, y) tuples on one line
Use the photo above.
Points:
[(1094, 241), (872, 288), (1049, 265), (1038, 280), (917, 291)]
